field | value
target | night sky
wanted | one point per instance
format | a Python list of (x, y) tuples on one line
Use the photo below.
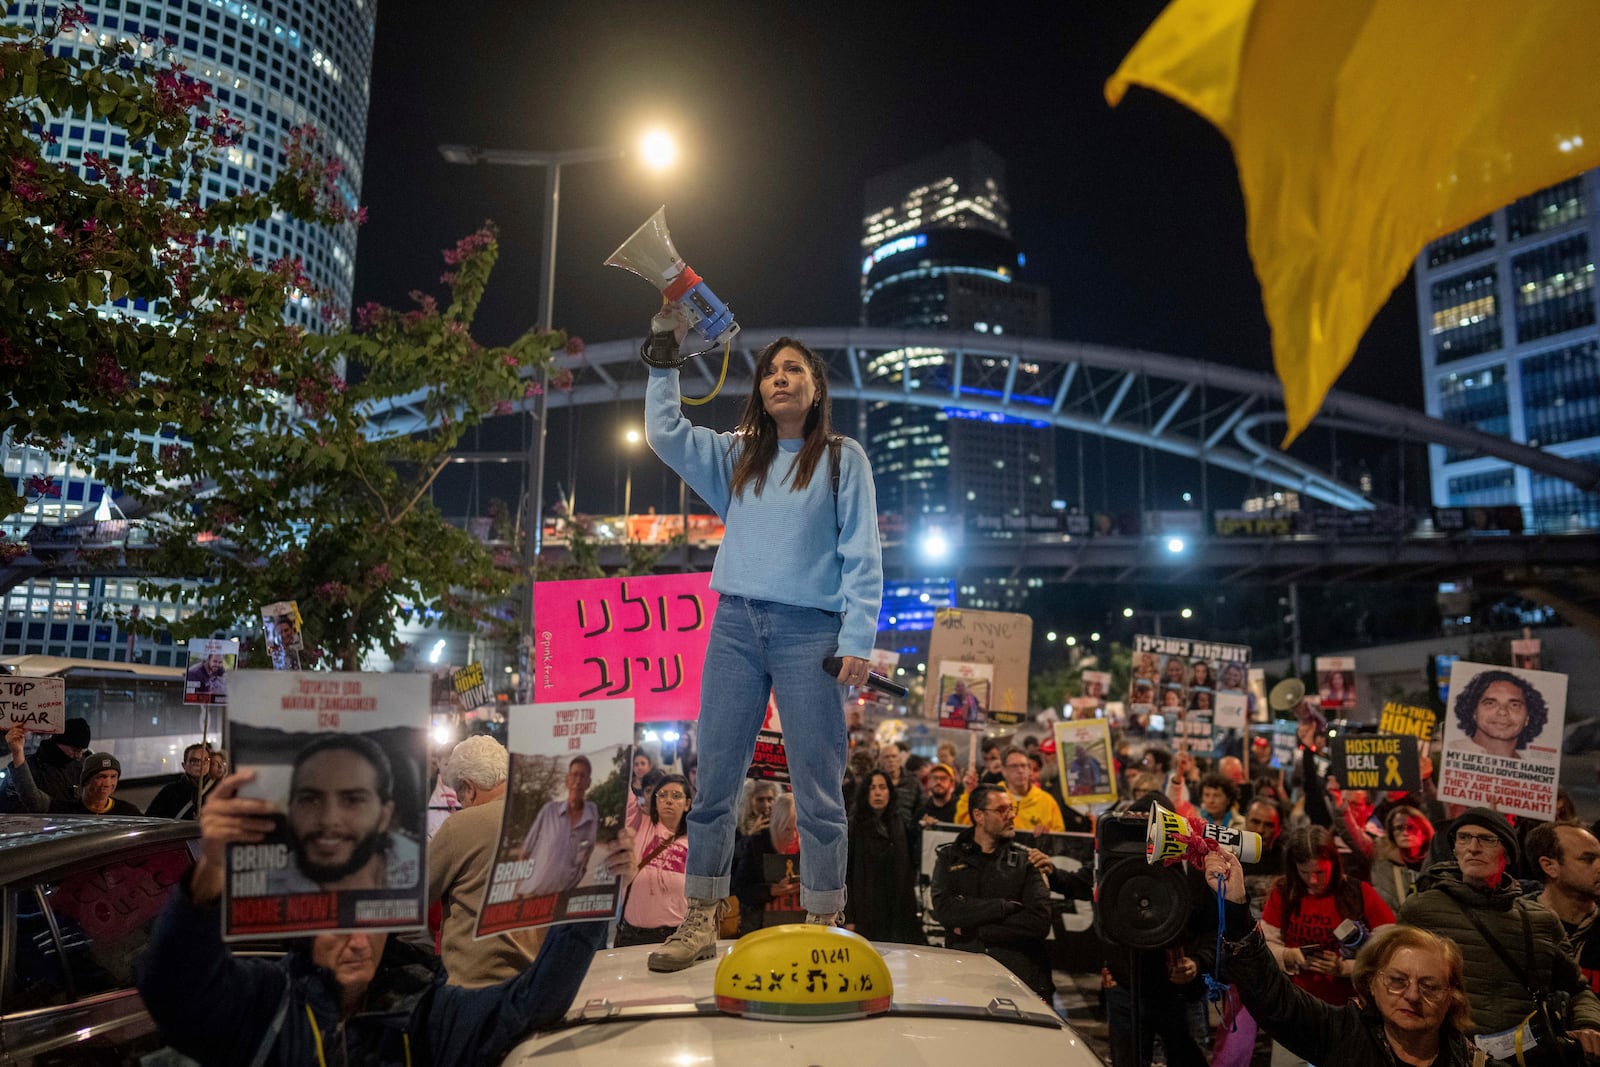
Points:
[(1132, 217)]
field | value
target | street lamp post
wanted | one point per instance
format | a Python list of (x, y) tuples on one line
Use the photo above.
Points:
[(656, 151), (632, 437)]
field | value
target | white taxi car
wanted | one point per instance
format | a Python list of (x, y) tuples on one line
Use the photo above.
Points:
[(805, 996)]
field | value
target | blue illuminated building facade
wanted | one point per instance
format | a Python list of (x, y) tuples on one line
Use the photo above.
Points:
[(275, 64), (938, 255), (1511, 346)]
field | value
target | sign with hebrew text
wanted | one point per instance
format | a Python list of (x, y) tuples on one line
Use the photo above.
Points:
[(638, 638)]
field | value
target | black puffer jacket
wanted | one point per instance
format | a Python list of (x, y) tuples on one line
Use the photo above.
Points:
[(1344, 1036), (995, 902), (1500, 998)]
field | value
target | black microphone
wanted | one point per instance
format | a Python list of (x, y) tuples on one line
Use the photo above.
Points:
[(832, 665)]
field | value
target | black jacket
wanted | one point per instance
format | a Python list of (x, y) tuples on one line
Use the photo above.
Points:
[(996, 903), (882, 901), (1500, 999), (1329, 1036), (178, 799)]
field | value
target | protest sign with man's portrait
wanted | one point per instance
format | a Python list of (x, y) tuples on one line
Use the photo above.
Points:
[(1502, 738), (341, 756), (562, 847)]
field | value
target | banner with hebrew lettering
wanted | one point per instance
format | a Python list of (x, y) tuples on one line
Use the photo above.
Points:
[(642, 639)]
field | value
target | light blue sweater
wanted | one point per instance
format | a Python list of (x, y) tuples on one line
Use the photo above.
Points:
[(783, 545)]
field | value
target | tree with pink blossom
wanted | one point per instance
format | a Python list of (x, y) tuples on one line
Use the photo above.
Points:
[(271, 483)]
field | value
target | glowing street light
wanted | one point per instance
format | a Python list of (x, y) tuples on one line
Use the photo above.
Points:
[(1175, 545), (1071, 640), (1127, 613), (1187, 613), (1051, 636), (935, 546), (658, 149)]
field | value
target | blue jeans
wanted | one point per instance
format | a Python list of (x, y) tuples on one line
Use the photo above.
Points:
[(757, 647)]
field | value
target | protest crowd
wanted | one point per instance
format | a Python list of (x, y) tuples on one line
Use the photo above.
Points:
[(1368, 917)]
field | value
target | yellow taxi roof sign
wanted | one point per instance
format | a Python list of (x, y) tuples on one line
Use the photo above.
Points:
[(803, 972)]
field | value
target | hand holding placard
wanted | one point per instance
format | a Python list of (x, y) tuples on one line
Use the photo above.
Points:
[(38, 705)]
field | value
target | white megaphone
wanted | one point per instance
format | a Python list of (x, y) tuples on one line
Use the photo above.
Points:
[(650, 255), (1169, 835)]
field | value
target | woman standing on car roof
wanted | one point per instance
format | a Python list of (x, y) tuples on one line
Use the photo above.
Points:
[(800, 579)]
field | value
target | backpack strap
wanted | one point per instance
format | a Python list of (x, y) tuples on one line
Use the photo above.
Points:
[(835, 446)]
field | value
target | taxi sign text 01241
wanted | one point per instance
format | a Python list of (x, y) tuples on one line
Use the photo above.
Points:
[(803, 972)]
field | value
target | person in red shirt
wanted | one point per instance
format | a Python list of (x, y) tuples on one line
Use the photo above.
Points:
[(1307, 906)]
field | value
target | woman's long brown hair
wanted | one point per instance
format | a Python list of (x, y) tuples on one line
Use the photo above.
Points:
[(759, 434)]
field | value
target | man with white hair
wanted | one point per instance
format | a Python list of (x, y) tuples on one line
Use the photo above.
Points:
[(459, 858)]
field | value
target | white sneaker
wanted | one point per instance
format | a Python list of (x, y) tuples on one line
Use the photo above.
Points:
[(694, 940)]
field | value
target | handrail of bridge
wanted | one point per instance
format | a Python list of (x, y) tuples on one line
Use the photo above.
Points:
[(1068, 399)]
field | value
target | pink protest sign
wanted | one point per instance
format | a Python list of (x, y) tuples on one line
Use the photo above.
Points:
[(644, 638)]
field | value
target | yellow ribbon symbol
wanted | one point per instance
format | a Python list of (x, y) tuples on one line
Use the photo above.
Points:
[(1392, 771)]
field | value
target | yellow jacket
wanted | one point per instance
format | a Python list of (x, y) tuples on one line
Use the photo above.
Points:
[(1036, 810)]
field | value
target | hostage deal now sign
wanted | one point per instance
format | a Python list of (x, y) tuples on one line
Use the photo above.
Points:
[(1376, 761)]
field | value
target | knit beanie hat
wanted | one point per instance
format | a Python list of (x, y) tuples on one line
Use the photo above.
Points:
[(96, 762), (1496, 824), (75, 734)]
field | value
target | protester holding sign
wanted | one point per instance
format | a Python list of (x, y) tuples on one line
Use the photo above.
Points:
[(336, 998), (789, 490), (37, 706), (101, 773)]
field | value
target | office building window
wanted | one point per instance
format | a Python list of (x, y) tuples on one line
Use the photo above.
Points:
[(1561, 394), (1464, 242), (1546, 209), (1560, 505), (1498, 486), (1477, 399), (1466, 315), (1555, 288)]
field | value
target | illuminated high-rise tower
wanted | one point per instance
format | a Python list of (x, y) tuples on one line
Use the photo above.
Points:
[(936, 237), (1511, 346), (938, 255), (275, 64)]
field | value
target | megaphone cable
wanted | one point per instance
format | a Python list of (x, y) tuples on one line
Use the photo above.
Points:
[(727, 352)]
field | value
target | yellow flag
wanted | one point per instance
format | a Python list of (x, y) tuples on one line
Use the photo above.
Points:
[(1362, 130)]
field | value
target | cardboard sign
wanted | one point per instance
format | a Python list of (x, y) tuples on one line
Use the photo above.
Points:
[(281, 622), (560, 855), (1001, 639), (770, 763), (205, 681), (1379, 762), (1173, 674), (639, 639), (38, 704), (471, 689), (1502, 739), (1407, 719), (1084, 761), (1526, 653), (964, 694), (318, 742), (1336, 682)]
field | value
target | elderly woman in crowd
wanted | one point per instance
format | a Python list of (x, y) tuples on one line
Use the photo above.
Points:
[(1308, 903), (755, 812), (1400, 854), (1409, 1007), (757, 896)]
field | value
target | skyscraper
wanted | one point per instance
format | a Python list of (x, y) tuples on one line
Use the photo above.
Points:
[(936, 236), (939, 255), (275, 64), (1510, 345)]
